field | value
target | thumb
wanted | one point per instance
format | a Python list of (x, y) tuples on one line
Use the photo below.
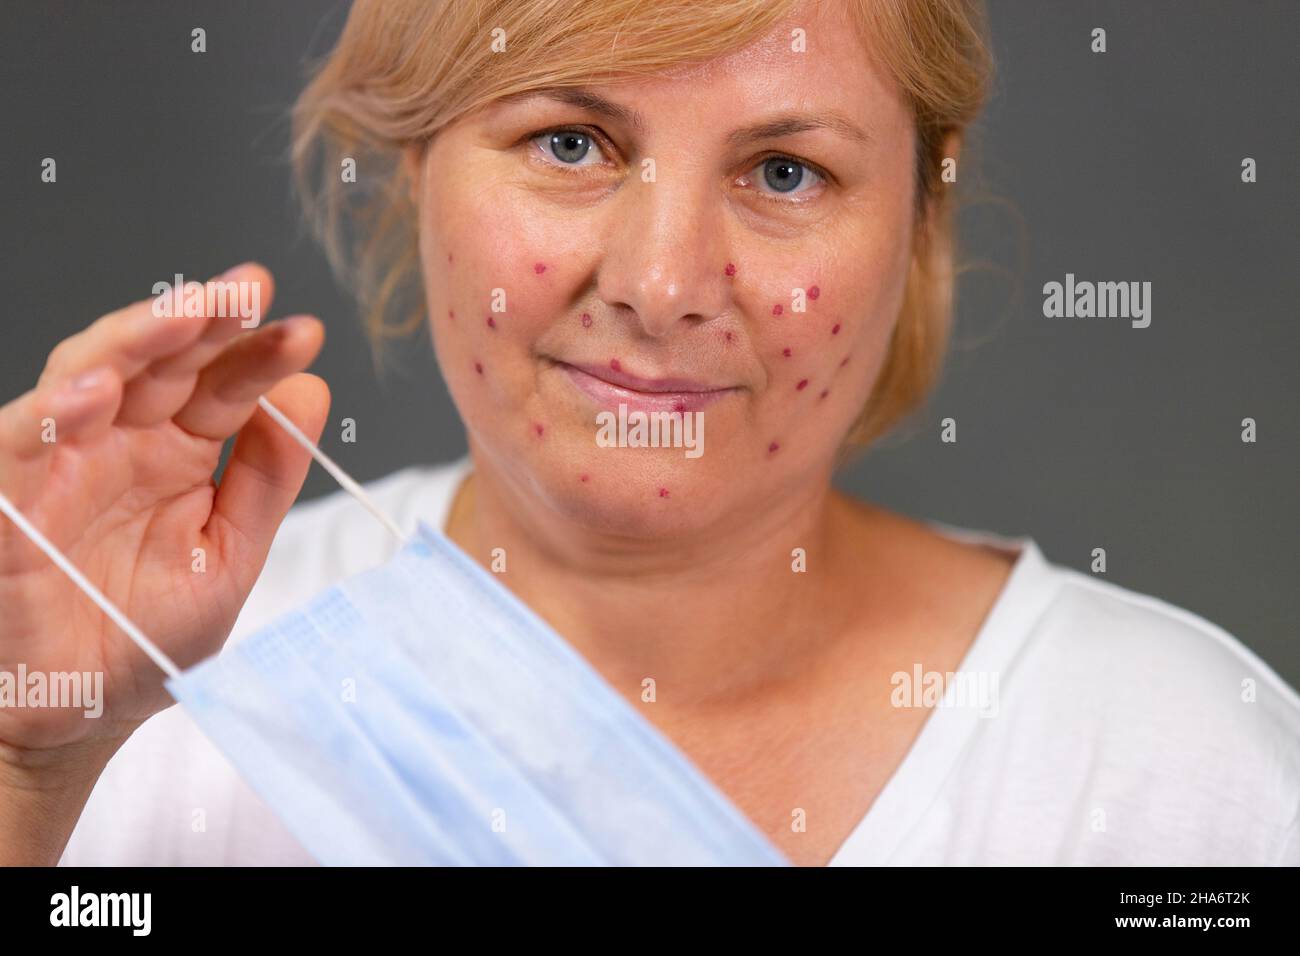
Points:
[(266, 471)]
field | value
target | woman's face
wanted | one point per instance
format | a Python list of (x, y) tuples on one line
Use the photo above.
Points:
[(727, 244)]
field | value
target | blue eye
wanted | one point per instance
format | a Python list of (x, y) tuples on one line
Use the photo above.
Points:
[(784, 175), (569, 146)]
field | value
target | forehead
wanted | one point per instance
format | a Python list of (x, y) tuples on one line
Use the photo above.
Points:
[(811, 69), (816, 57)]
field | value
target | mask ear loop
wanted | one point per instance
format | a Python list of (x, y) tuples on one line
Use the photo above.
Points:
[(346, 481), (165, 663), (108, 607)]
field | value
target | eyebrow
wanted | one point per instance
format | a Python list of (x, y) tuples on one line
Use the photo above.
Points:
[(785, 124), (584, 100), (791, 123)]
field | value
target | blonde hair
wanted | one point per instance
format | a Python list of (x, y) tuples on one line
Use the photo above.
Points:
[(404, 69)]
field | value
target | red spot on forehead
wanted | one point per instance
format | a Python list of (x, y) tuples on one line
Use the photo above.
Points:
[(449, 258), (814, 292), (786, 352), (451, 314), (491, 322), (539, 267), (731, 269), (729, 336), (586, 321), (825, 392), (803, 383), (537, 427), (835, 329), (584, 477), (773, 447), (615, 365), (777, 309), (478, 367), (663, 492), (845, 362)]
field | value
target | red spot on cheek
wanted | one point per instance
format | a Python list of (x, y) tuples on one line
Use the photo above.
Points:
[(771, 449), (835, 330), (814, 292), (584, 477), (731, 269), (803, 383), (491, 322), (663, 492), (845, 362), (451, 314), (449, 259), (539, 267), (777, 309), (786, 352), (729, 336), (586, 321), (537, 427), (478, 367), (824, 393), (615, 365)]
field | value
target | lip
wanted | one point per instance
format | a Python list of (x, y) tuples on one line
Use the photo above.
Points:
[(609, 388)]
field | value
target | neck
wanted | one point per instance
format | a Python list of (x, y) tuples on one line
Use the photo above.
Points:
[(714, 615)]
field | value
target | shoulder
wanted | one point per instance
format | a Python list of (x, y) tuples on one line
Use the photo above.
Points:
[(1182, 727), (1155, 655), (1142, 653), (1167, 727)]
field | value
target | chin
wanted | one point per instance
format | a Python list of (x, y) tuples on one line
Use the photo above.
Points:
[(641, 493)]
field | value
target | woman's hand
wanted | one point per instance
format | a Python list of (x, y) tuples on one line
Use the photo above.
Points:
[(112, 456)]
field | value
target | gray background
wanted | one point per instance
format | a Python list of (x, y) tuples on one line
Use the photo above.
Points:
[(1081, 433)]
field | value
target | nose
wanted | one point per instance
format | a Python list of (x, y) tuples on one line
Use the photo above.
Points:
[(665, 254)]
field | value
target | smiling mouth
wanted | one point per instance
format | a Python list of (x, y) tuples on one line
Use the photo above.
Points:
[(609, 388)]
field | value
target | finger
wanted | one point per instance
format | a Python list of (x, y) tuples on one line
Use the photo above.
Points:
[(226, 393), (164, 386), (32, 424), (35, 424), (143, 332), (265, 473)]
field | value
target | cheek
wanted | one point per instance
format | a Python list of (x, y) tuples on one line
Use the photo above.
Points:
[(815, 319), (508, 266), (496, 276), (822, 328)]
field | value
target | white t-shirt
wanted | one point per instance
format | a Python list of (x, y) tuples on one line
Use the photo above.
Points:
[(1121, 731)]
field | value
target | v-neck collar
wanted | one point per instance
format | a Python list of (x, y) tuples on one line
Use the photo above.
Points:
[(910, 792)]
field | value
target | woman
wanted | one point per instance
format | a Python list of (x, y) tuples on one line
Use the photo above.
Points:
[(734, 212)]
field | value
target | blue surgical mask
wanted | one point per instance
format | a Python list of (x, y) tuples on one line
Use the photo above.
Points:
[(420, 713)]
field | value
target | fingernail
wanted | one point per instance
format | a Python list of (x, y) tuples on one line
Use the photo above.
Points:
[(87, 380), (291, 323)]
